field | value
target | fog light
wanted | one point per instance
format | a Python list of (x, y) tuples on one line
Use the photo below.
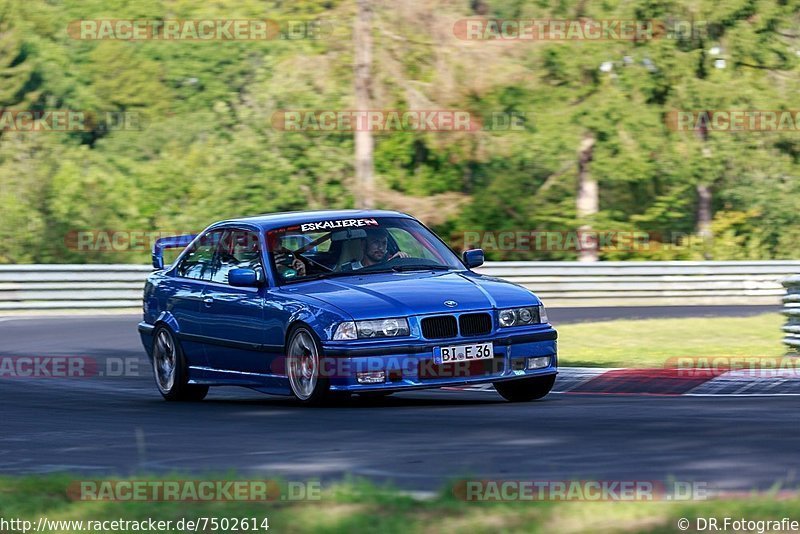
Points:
[(538, 363), (372, 377)]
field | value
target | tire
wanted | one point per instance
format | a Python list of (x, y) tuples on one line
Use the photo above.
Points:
[(170, 370), (525, 389), (303, 360)]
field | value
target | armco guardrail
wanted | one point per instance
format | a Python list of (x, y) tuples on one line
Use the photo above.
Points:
[(669, 283), (53, 287), (791, 309)]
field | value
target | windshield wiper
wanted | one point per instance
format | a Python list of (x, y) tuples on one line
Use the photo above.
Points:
[(400, 268), (319, 276), (360, 272)]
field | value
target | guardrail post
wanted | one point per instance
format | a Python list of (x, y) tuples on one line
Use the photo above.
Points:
[(791, 309)]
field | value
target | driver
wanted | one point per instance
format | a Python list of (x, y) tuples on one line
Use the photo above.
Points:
[(288, 265), (375, 250)]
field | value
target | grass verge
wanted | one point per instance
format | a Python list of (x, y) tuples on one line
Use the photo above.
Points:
[(357, 506), (650, 342)]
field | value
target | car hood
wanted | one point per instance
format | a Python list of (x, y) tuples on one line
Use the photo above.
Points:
[(377, 295)]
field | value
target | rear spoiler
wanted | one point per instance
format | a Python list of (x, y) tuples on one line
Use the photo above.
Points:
[(175, 241)]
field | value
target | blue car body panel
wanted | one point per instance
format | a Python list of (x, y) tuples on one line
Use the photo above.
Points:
[(237, 335)]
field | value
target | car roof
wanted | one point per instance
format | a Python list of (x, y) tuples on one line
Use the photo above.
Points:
[(269, 221)]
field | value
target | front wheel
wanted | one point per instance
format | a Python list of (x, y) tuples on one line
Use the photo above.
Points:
[(525, 389), (303, 363), (170, 370)]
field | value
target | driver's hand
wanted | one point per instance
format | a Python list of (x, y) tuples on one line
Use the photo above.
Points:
[(299, 266), (400, 254)]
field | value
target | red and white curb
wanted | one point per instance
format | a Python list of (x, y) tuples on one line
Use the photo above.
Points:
[(695, 382)]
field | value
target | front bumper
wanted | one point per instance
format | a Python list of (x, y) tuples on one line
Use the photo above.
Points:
[(410, 365)]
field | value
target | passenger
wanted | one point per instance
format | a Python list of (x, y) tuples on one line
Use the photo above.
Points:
[(375, 251)]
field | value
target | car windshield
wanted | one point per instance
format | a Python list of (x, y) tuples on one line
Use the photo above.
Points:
[(328, 248)]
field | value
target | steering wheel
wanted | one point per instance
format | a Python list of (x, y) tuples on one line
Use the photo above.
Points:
[(306, 261)]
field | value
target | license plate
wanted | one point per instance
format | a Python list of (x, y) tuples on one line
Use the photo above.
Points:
[(463, 353)]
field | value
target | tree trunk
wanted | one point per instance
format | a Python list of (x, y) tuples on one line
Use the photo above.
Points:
[(587, 201), (362, 40), (704, 217)]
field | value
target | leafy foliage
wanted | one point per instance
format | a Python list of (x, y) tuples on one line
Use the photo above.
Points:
[(207, 149)]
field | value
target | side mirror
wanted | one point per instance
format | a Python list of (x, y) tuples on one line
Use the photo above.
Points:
[(473, 258), (244, 278)]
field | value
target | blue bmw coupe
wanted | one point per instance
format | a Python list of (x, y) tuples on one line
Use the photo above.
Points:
[(330, 303)]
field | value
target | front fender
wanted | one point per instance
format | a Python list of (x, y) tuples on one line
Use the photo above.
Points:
[(321, 319)]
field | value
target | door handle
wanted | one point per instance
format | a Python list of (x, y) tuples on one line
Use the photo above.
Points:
[(208, 301)]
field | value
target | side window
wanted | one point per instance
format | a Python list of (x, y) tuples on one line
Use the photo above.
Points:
[(197, 263), (238, 249)]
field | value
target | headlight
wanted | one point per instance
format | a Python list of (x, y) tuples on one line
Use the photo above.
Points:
[(543, 314), (375, 328), (382, 328), (508, 317), (521, 316), (346, 330)]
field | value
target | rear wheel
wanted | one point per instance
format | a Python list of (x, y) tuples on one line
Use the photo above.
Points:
[(170, 369), (525, 389), (303, 363)]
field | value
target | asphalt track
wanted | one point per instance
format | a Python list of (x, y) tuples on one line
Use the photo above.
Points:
[(106, 425)]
